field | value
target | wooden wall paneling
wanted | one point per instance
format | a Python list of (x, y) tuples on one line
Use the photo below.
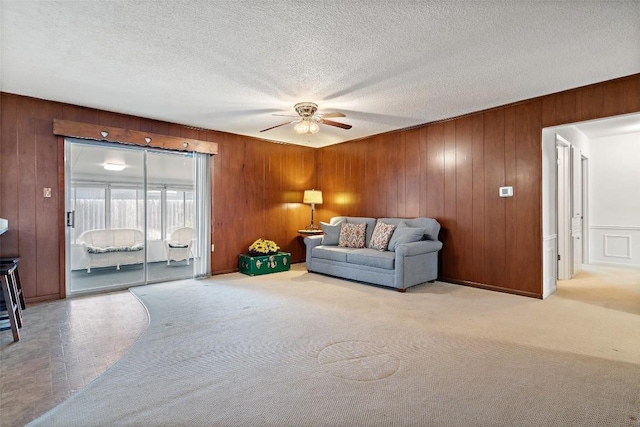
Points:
[(253, 196), (632, 94), (589, 102), (449, 220), (356, 181), (394, 175), (48, 215), (348, 163), (549, 116), (228, 205), (528, 262), (274, 201), (328, 182), (9, 173), (435, 172), (412, 173), (478, 200), (511, 203), (495, 205), (27, 161), (464, 250), (614, 98), (424, 180), (566, 107)]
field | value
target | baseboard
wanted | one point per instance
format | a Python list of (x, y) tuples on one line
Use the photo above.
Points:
[(492, 288), (615, 264)]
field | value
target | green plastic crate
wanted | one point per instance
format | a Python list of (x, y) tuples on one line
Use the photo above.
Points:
[(264, 264)]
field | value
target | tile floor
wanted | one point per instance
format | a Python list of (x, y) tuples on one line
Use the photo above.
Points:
[(64, 345)]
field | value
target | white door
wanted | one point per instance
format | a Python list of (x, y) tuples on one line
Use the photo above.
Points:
[(576, 211)]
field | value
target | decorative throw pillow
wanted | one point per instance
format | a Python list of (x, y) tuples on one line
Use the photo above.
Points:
[(394, 237), (331, 233), (405, 235), (352, 235), (381, 236)]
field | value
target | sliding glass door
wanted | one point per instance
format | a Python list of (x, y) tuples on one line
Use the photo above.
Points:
[(130, 216)]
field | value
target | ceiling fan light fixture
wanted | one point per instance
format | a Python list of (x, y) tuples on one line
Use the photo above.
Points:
[(302, 127), (313, 127)]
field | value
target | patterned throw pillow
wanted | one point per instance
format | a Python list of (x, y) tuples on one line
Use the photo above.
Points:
[(352, 235), (381, 236)]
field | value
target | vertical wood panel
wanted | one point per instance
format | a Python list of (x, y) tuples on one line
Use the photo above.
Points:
[(528, 263), (412, 173), (435, 171), (48, 215), (464, 197), (589, 102), (495, 205), (614, 99), (511, 204), (449, 220), (632, 94), (479, 210), (27, 193)]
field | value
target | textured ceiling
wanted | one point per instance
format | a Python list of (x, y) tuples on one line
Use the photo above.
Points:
[(229, 65)]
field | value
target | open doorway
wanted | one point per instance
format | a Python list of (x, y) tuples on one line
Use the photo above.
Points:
[(605, 200)]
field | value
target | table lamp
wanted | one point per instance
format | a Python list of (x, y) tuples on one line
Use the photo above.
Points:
[(311, 197)]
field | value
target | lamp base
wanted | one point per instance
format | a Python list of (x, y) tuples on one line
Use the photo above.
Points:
[(312, 227)]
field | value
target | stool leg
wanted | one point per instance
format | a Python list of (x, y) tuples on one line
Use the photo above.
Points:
[(11, 306), (13, 290), (19, 289)]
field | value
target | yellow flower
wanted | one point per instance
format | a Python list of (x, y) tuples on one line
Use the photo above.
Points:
[(264, 246)]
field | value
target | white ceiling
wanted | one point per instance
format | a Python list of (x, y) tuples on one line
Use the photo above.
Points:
[(229, 65)]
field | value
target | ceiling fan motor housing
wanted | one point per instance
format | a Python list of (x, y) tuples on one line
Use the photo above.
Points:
[(306, 109)]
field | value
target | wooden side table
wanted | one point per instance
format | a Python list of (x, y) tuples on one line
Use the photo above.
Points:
[(310, 232)]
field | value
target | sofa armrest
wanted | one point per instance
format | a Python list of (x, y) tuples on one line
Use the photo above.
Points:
[(311, 242), (418, 248)]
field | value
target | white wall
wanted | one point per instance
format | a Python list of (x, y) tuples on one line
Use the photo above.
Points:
[(614, 175)]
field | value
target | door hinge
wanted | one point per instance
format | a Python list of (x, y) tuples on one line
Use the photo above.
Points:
[(558, 257)]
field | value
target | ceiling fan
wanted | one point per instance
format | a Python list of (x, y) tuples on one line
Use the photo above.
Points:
[(308, 120)]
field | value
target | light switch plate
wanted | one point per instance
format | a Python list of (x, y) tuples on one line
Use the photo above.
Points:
[(46, 192)]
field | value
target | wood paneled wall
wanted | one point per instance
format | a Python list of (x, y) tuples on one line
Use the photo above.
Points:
[(452, 170), (449, 170), (257, 188)]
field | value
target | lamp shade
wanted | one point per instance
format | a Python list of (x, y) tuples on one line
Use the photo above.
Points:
[(312, 196)]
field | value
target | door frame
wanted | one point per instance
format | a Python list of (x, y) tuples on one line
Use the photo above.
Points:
[(563, 206)]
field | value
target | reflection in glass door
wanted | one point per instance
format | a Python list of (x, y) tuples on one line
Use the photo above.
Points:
[(170, 216), (129, 216)]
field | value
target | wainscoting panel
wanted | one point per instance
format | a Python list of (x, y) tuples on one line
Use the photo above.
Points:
[(615, 245)]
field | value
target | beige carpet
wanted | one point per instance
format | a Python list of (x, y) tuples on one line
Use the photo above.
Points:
[(299, 349)]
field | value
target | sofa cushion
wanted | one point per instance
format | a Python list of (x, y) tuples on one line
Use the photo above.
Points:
[(352, 235), (381, 236), (372, 258), (405, 235), (332, 253), (331, 235)]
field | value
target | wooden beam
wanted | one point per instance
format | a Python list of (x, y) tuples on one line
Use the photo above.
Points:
[(132, 137)]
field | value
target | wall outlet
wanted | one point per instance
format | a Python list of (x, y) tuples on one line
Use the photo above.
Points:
[(46, 192)]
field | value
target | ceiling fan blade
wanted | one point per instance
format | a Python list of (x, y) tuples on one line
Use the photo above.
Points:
[(276, 126), (336, 124), (336, 114), (283, 115)]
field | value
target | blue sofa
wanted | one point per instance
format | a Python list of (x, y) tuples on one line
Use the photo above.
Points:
[(411, 257)]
